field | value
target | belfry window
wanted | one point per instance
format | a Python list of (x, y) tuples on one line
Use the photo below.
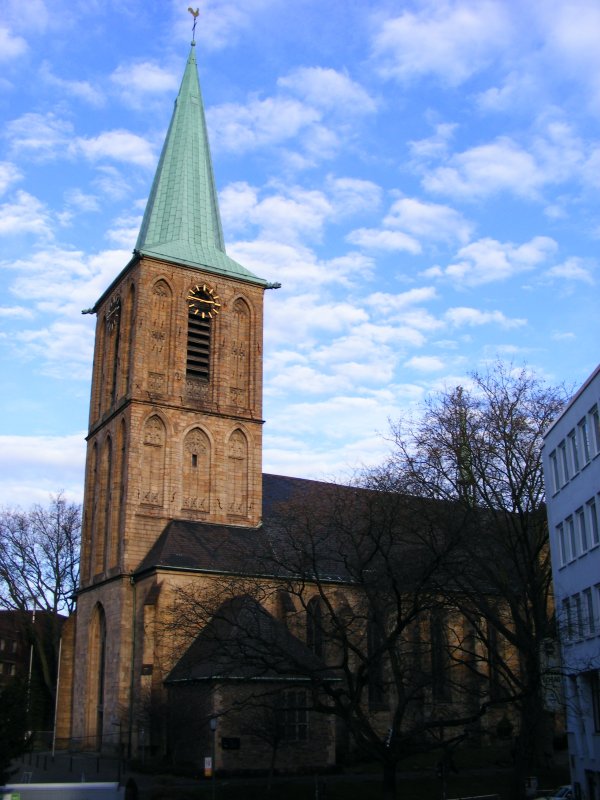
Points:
[(203, 306)]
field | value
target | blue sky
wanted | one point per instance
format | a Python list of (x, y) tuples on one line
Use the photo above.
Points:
[(422, 178)]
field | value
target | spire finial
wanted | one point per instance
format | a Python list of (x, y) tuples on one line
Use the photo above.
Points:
[(195, 16)]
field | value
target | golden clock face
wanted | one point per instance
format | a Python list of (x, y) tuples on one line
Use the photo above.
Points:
[(203, 301)]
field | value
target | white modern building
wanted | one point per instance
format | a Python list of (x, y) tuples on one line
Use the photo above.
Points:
[(571, 459)]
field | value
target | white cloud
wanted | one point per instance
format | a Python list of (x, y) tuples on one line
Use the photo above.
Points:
[(290, 213), (259, 123), (435, 146), (570, 32), (471, 317), (497, 166), (39, 134), (449, 40), (374, 239), (83, 90), (118, 145), (425, 363), (145, 77), (124, 231), (79, 201), (352, 195), (9, 174), (63, 349), (11, 46), (63, 282), (34, 467), (399, 302), (573, 269), (428, 220), (25, 215), (297, 266), (488, 260), (15, 312), (329, 89)]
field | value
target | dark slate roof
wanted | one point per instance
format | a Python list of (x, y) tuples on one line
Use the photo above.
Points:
[(192, 545), (242, 641)]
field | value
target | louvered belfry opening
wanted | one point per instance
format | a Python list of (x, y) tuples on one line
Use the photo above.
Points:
[(198, 345)]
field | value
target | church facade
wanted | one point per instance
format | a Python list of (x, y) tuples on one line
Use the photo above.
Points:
[(175, 434), (176, 505)]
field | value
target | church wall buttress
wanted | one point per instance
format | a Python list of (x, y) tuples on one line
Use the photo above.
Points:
[(241, 349), (196, 471), (160, 321), (237, 460), (153, 461)]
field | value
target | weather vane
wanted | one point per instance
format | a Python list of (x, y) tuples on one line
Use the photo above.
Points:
[(195, 16)]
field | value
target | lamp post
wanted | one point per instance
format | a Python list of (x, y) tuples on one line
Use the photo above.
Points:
[(213, 729)]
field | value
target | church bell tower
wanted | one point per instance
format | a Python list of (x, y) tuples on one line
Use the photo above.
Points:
[(175, 427)]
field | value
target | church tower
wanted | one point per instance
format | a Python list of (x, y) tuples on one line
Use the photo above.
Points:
[(175, 428)]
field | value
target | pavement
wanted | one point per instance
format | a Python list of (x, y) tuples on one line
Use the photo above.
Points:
[(65, 767)]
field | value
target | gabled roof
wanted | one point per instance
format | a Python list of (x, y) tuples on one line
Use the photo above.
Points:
[(210, 547), (182, 222), (242, 641)]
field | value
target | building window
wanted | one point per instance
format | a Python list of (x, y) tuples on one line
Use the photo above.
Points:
[(293, 717), (203, 305), (2, 644), (582, 529), (564, 462), (562, 544), (555, 473), (579, 627), (375, 665), (593, 516), (314, 626), (569, 522), (595, 420), (567, 620), (589, 613), (584, 440), (440, 660), (595, 689), (570, 525), (574, 451)]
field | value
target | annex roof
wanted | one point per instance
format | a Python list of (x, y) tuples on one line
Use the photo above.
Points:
[(242, 641)]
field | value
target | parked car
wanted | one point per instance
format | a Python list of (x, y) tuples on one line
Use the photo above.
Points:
[(562, 793)]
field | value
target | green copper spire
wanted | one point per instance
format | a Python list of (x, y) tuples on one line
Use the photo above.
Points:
[(182, 221)]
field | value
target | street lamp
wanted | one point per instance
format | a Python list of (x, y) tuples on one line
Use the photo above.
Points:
[(213, 729)]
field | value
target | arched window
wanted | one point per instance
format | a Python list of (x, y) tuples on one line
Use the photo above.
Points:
[(153, 461), (96, 676), (441, 690), (196, 471), (314, 626), (203, 307), (104, 484), (127, 339), (117, 494), (89, 523), (237, 457), (375, 664)]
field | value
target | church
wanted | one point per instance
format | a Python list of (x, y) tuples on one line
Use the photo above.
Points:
[(176, 506)]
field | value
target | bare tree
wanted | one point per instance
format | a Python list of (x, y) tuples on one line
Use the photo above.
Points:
[(340, 594), (479, 450), (39, 573), (39, 556)]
